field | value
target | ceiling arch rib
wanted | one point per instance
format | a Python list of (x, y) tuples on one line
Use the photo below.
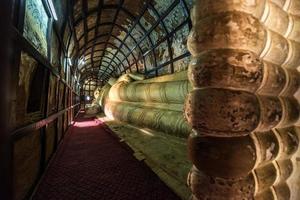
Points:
[(166, 30), (89, 65), (105, 64), (118, 7), (160, 20), (96, 55), (103, 35), (107, 52), (91, 75), (90, 42), (112, 23), (122, 43), (83, 70), (99, 13), (128, 34), (70, 24), (164, 38), (111, 44), (84, 13), (88, 75), (103, 7), (110, 31), (89, 71), (115, 36), (82, 49)]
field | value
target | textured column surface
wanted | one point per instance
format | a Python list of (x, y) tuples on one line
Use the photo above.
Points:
[(242, 108)]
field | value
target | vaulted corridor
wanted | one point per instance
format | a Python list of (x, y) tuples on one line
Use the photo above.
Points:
[(150, 99)]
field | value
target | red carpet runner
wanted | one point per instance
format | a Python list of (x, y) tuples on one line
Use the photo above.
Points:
[(93, 164)]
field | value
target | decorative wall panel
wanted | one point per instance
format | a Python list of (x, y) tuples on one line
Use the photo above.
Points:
[(26, 72), (52, 104), (54, 50), (27, 156), (50, 140), (36, 25)]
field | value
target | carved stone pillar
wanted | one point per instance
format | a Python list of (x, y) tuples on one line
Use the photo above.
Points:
[(241, 109)]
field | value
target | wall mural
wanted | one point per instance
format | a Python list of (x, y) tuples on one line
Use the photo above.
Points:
[(27, 67), (155, 45), (52, 95), (54, 50), (36, 24)]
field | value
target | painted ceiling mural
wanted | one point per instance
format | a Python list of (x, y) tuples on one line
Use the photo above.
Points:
[(117, 36), (106, 38)]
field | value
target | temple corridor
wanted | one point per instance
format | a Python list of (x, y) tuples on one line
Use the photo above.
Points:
[(150, 99), (92, 164)]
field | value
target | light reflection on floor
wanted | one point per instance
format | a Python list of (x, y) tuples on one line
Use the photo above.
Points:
[(91, 123)]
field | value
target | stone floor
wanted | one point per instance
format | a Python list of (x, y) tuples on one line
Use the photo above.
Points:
[(165, 154)]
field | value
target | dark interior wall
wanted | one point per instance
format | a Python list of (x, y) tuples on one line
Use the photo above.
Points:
[(5, 55), (43, 89)]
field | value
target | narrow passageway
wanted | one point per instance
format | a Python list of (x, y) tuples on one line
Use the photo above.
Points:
[(92, 164), (195, 99)]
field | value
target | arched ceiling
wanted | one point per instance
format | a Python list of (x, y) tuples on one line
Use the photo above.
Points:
[(114, 36)]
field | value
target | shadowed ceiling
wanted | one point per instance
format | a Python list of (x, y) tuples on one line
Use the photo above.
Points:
[(112, 37)]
